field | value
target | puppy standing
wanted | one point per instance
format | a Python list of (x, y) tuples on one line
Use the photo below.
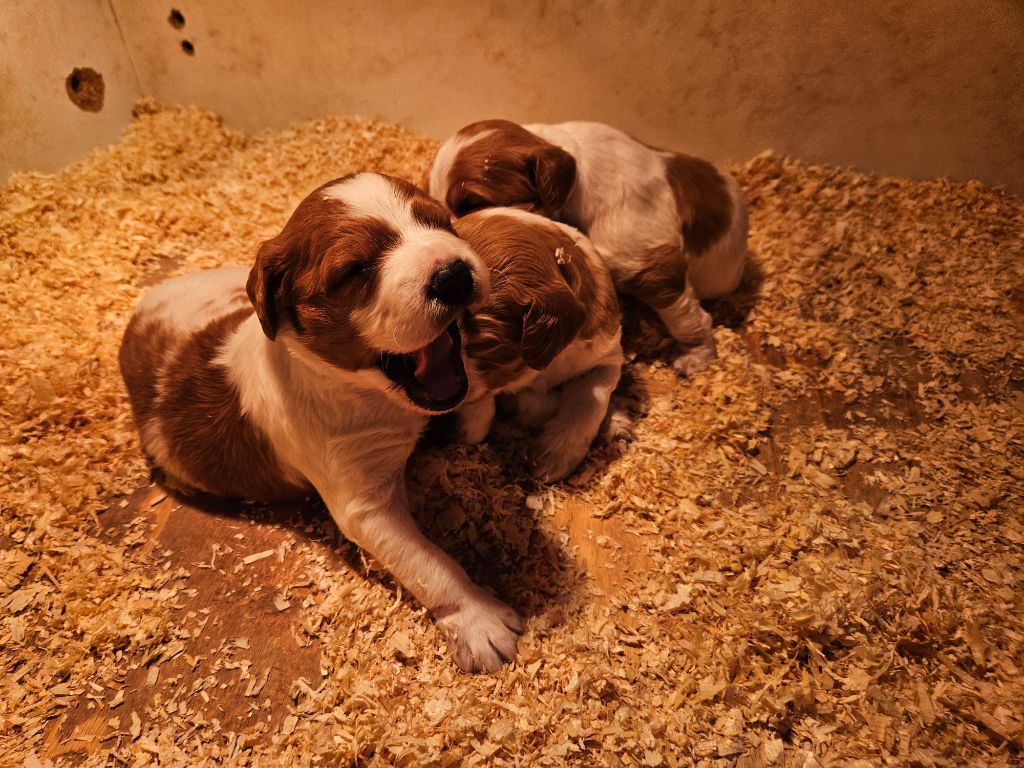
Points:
[(317, 369), (671, 229), (549, 332)]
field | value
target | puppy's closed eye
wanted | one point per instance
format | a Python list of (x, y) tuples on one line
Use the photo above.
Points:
[(351, 275)]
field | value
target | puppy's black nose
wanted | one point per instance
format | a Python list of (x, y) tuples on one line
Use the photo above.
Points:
[(452, 284)]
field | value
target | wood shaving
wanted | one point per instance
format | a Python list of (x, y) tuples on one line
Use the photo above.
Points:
[(810, 554)]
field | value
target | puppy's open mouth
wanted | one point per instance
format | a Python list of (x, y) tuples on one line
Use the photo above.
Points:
[(433, 376)]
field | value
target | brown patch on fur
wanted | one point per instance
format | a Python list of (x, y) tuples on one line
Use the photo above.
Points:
[(537, 306), (204, 428), (509, 167), (432, 213), (662, 280), (144, 348), (702, 198)]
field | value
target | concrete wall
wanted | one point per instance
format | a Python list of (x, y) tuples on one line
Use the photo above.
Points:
[(909, 87)]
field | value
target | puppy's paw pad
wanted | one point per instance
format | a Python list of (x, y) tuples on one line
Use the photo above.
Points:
[(694, 360), (482, 633)]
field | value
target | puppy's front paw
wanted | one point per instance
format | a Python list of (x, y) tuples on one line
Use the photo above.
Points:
[(695, 359), (471, 431), (482, 632), (558, 451), (473, 420)]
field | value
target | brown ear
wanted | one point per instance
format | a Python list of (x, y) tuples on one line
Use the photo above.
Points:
[(264, 285), (554, 173), (549, 325)]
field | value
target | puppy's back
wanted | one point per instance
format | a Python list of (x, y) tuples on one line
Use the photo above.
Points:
[(185, 404)]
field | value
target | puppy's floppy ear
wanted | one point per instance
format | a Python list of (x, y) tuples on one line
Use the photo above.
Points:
[(554, 173), (264, 284), (550, 324)]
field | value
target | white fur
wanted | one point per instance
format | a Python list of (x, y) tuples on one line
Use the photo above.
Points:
[(623, 200), (720, 270), (373, 195), (187, 304), (190, 302), (394, 322), (624, 203), (569, 399)]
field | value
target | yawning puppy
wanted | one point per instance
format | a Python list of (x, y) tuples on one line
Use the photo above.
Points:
[(317, 369), (671, 229), (552, 321)]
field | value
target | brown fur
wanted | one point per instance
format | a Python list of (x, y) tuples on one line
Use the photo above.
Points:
[(431, 213), (313, 275), (509, 167), (145, 348), (537, 306), (662, 280), (705, 208)]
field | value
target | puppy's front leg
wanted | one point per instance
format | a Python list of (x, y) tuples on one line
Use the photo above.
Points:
[(474, 419), (480, 629), (582, 407)]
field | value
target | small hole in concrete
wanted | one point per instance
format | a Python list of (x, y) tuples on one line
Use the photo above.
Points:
[(187, 47), (85, 89), (176, 19)]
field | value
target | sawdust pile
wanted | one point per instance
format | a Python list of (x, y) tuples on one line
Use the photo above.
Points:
[(820, 540)]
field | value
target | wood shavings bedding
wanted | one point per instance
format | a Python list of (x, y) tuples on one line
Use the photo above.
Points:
[(810, 554)]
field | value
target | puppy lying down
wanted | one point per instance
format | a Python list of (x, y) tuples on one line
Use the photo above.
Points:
[(671, 229), (550, 333), (317, 369)]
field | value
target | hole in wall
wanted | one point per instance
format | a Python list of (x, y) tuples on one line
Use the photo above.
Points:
[(176, 19), (85, 89), (187, 47)]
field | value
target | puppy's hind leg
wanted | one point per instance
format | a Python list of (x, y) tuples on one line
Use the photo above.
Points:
[(687, 321), (664, 283), (564, 442)]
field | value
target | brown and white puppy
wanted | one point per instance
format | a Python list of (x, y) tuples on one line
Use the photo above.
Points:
[(318, 369), (549, 333), (671, 229)]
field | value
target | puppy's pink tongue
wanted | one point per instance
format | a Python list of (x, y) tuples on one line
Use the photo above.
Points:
[(436, 371)]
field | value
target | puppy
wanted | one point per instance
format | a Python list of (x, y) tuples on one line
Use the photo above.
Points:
[(317, 370), (549, 333), (671, 229)]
